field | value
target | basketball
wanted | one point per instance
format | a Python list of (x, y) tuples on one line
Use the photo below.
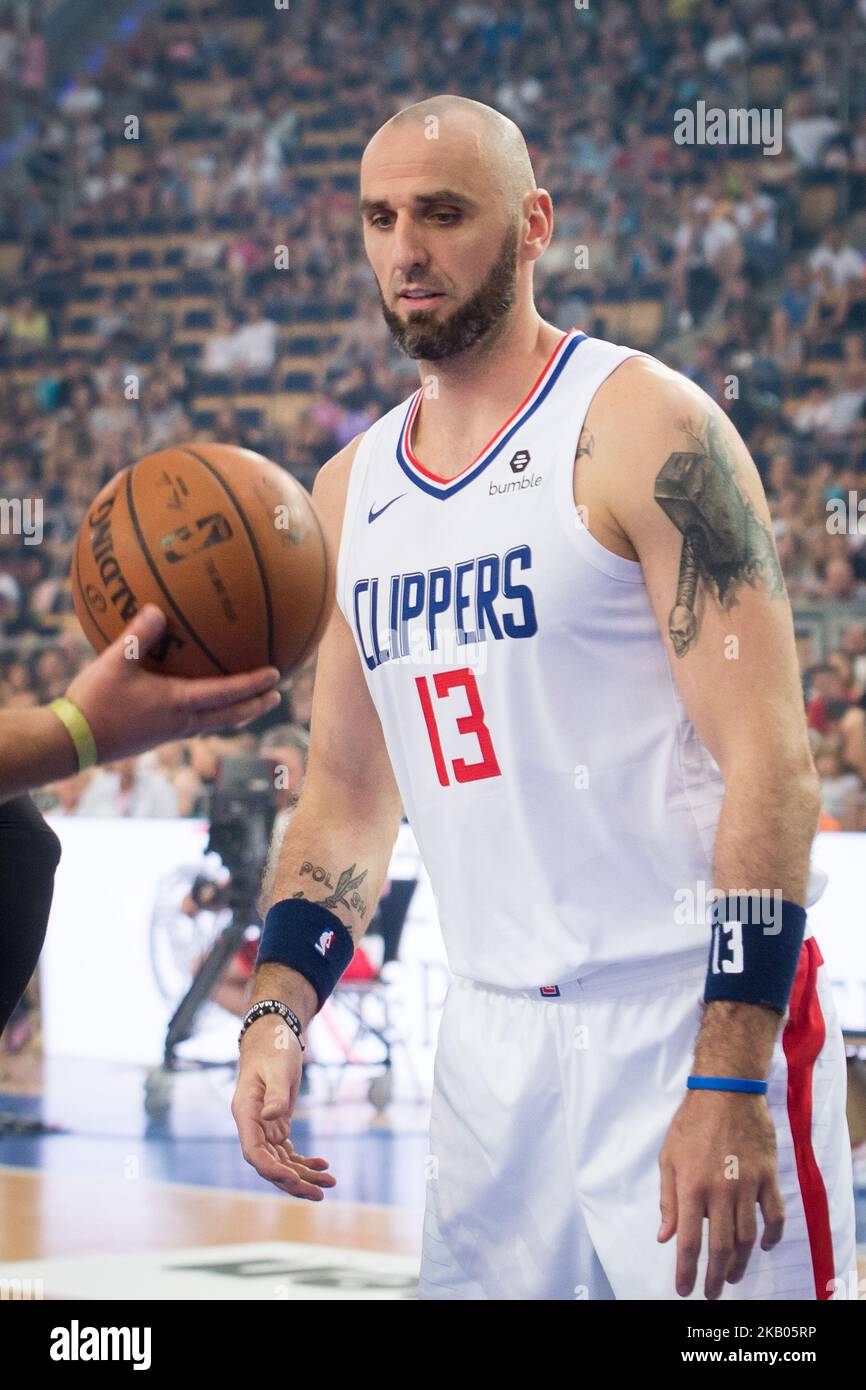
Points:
[(225, 542)]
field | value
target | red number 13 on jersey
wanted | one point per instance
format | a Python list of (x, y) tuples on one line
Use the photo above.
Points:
[(472, 723)]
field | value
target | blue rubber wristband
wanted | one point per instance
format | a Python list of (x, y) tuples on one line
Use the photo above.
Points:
[(727, 1083)]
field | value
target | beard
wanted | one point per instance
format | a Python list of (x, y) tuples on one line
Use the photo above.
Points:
[(421, 336)]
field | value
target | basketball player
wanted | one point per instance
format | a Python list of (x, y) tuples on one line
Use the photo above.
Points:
[(113, 708), (562, 641)]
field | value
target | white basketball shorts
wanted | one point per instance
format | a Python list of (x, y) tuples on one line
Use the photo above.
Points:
[(550, 1110)]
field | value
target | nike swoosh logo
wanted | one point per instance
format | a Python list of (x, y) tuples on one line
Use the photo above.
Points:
[(373, 515)]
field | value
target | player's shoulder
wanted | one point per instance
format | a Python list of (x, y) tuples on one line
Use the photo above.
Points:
[(335, 472), (644, 399), (648, 382), (331, 483)]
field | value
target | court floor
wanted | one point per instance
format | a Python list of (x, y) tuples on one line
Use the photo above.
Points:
[(98, 1161)]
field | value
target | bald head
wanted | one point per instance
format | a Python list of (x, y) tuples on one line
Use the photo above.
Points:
[(489, 139), (453, 222)]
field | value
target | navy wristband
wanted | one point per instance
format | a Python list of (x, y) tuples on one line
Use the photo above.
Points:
[(754, 950), (727, 1083), (308, 938)]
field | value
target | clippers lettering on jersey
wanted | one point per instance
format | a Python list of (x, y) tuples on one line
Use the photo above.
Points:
[(471, 601)]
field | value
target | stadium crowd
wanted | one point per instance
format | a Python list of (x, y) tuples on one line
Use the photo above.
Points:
[(765, 312)]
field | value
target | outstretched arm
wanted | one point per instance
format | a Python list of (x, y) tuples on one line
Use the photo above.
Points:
[(128, 709), (335, 853)]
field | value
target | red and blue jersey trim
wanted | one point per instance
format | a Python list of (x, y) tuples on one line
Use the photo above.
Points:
[(435, 486)]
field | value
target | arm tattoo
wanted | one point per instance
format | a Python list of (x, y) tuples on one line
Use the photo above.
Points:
[(343, 894), (725, 544), (585, 445)]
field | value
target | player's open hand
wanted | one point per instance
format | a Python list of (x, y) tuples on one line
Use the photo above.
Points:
[(130, 709), (719, 1161), (264, 1099)]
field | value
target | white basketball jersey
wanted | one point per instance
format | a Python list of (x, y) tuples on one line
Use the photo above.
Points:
[(560, 797)]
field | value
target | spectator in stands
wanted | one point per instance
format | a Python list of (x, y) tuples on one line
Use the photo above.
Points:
[(727, 43), (149, 321), (18, 678), (246, 255), (173, 760), (780, 473), (52, 675), (836, 266), (102, 182), (28, 326), (258, 170), (126, 788), (163, 419), (254, 343), (208, 252), (788, 320), (281, 200), (844, 409), (825, 686), (852, 686), (16, 618), (56, 269), (83, 97), (46, 595), (205, 756), (849, 723), (219, 351), (811, 416), (708, 253), (841, 789), (807, 130), (112, 315), (840, 583), (793, 543), (281, 135), (113, 420)]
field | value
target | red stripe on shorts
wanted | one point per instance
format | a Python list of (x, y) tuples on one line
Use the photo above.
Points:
[(802, 1040)]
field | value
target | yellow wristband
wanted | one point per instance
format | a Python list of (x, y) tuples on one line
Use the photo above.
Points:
[(79, 731)]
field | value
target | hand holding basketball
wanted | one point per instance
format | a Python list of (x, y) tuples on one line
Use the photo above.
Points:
[(130, 709)]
